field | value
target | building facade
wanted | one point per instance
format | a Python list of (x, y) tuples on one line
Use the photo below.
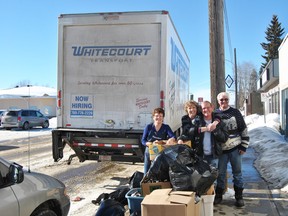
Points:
[(268, 85), (283, 84), (273, 85), (29, 97)]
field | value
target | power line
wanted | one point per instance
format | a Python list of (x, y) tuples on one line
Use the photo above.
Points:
[(230, 50), (228, 32)]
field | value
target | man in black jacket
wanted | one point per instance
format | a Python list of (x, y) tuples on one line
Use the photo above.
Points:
[(206, 132)]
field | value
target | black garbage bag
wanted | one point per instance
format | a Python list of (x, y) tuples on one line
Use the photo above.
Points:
[(117, 195), (206, 181), (110, 207), (196, 177), (135, 180), (180, 165), (158, 171), (136, 213), (180, 154), (101, 198)]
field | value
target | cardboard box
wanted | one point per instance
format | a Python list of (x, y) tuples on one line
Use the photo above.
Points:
[(188, 143), (165, 202), (211, 190), (154, 149), (147, 188)]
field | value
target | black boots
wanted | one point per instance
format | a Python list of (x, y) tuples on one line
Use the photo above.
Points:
[(238, 196), (218, 196)]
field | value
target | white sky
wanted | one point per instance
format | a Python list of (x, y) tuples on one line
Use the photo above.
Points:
[(265, 138)]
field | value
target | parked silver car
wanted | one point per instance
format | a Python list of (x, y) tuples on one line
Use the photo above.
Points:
[(1, 114), (26, 193), (24, 118)]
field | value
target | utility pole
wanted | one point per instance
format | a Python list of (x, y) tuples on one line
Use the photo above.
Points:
[(217, 55)]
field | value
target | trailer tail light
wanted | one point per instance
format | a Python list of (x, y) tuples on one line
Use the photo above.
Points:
[(162, 97), (59, 99)]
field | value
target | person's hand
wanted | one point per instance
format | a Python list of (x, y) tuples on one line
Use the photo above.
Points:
[(180, 142), (241, 152), (148, 143), (203, 129), (170, 141), (211, 127), (160, 142)]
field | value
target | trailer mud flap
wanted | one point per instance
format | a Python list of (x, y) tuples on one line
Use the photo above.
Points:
[(57, 146)]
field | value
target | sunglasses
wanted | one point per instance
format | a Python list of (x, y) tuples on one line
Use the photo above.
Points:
[(224, 99)]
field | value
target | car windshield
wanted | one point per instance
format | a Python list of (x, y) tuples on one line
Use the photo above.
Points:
[(12, 113)]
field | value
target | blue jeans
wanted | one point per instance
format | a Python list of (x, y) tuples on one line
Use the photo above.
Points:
[(147, 161), (211, 160), (235, 160)]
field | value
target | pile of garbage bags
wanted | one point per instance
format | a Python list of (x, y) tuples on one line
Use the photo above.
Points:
[(112, 204), (178, 164), (186, 171)]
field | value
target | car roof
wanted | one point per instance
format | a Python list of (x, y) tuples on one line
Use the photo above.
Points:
[(22, 109)]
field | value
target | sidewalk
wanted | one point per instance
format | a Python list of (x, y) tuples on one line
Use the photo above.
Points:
[(259, 199)]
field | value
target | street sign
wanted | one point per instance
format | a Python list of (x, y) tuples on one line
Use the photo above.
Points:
[(229, 81), (264, 97)]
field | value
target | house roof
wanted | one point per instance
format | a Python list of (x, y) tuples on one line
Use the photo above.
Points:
[(28, 91)]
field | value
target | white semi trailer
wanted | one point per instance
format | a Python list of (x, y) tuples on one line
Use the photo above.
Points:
[(113, 70)]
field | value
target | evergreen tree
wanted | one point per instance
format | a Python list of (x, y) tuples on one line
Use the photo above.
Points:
[(274, 38)]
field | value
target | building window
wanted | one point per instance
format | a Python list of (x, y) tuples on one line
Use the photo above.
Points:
[(285, 111)]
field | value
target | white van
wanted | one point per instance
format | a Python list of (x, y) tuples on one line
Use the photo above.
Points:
[(24, 118)]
